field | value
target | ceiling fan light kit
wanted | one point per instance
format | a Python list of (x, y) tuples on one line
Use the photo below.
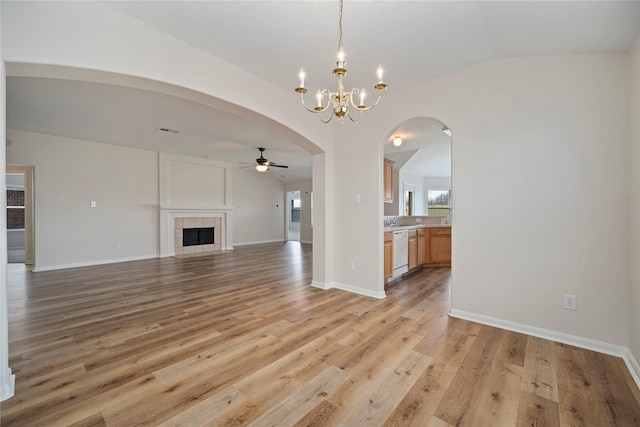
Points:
[(339, 101), (262, 164)]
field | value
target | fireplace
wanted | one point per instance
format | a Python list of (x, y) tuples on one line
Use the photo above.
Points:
[(197, 236)]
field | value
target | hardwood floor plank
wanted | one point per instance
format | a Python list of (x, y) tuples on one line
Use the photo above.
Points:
[(203, 412), (307, 396), (240, 338), (466, 385), (387, 391), (498, 398), (540, 375), (536, 411)]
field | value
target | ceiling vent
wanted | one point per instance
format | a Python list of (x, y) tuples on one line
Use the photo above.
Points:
[(174, 131)]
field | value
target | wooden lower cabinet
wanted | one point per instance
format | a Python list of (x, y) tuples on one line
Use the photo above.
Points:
[(422, 246), (438, 247), (388, 254), (413, 249)]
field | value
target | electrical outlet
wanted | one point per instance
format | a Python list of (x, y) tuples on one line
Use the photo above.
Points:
[(352, 266), (116, 246), (418, 219), (570, 302)]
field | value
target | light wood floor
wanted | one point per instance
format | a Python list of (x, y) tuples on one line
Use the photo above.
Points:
[(242, 339)]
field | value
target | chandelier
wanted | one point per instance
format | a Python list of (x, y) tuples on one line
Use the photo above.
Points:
[(338, 102)]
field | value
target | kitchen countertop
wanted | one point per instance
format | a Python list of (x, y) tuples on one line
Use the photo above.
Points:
[(414, 227)]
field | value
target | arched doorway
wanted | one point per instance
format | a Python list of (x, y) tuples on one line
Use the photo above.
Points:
[(417, 212)]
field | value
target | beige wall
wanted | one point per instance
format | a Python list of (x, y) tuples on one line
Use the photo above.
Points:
[(634, 299), (259, 201), (545, 141), (69, 174)]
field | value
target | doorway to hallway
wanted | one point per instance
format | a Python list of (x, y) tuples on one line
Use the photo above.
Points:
[(294, 206), (20, 218)]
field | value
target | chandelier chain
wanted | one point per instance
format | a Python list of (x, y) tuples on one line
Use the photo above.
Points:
[(340, 27)]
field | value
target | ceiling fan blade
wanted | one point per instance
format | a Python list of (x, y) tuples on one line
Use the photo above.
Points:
[(277, 166)]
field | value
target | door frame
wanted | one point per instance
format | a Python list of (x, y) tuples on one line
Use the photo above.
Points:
[(29, 209)]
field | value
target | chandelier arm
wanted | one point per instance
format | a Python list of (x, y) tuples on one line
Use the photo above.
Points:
[(365, 108), (352, 119), (328, 120), (312, 110)]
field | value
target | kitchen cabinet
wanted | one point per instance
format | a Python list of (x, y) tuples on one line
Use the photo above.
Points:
[(388, 254), (422, 246), (413, 249), (388, 181), (438, 247)]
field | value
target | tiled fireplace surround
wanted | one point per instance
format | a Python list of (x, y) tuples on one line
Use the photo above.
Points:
[(180, 223), (172, 221)]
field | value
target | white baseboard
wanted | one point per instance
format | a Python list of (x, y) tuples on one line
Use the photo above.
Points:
[(320, 285), (633, 366), (37, 269), (576, 341), (349, 288), (259, 242), (8, 390)]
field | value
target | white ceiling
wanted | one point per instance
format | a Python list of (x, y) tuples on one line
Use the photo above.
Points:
[(425, 150), (413, 40)]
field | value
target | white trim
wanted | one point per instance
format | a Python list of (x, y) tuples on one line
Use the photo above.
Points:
[(259, 242), (320, 285), (8, 390), (91, 263), (576, 341), (633, 366), (349, 288)]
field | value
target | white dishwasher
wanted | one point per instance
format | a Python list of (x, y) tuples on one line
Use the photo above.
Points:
[(400, 252)]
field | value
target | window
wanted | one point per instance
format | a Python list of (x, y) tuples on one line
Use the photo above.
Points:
[(295, 210), (15, 208), (439, 203)]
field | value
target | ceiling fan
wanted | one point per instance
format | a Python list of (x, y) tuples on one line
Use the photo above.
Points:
[(262, 164)]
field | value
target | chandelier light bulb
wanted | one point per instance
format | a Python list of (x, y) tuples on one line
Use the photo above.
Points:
[(363, 94), (301, 75), (340, 58), (380, 74)]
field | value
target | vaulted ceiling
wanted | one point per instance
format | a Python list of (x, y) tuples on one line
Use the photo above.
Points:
[(413, 40)]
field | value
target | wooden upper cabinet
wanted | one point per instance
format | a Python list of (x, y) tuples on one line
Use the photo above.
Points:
[(388, 181)]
